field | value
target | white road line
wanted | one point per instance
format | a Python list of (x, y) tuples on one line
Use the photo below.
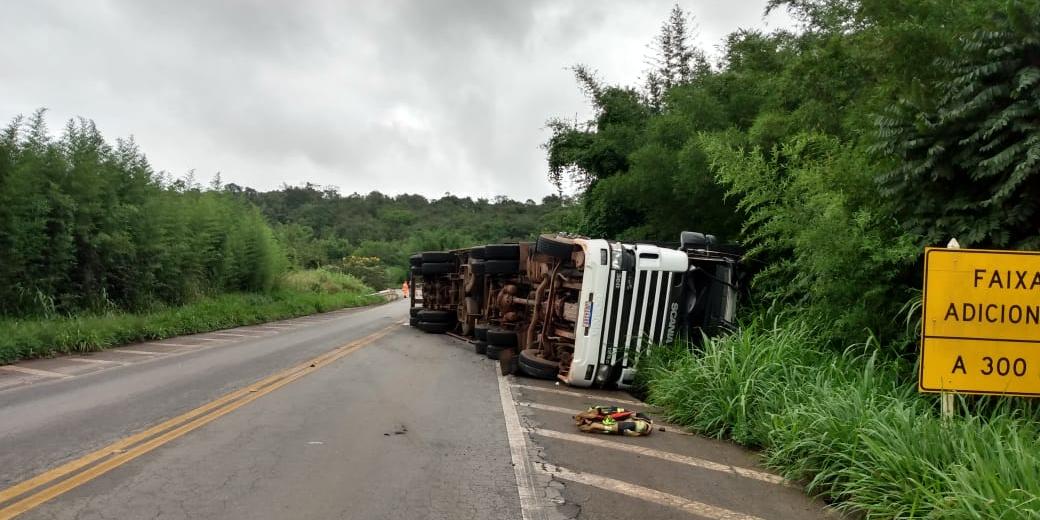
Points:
[(97, 361), (589, 440), (34, 372), (138, 352), (211, 339), (599, 398), (235, 335), (532, 501), (669, 428), (272, 327), (168, 344), (547, 407), (644, 493)]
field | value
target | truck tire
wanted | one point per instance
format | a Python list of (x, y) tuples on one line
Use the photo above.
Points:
[(413, 322), (501, 252), (503, 337), (532, 364), (477, 252), (549, 245), (480, 331), (437, 267), (415, 260), (432, 316), (500, 266), (434, 327), (437, 256), (413, 312), (478, 267), (480, 347), (494, 351)]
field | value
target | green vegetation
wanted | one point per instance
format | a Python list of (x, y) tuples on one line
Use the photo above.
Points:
[(835, 154), (85, 226), (851, 426), (320, 227), (299, 294), (97, 249)]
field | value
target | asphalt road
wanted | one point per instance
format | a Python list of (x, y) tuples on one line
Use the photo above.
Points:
[(349, 414)]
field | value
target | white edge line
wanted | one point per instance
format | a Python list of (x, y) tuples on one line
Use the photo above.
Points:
[(531, 507), (696, 462), (138, 352), (167, 344), (647, 494), (35, 372), (599, 398), (668, 428), (97, 361)]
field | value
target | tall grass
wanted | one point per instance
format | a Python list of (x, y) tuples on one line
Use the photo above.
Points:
[(851, 426), (298, 294)]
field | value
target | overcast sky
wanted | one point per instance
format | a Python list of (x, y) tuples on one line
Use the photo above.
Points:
[(413, 96)]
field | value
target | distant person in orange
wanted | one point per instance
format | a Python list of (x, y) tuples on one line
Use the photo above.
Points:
[(404, 288)]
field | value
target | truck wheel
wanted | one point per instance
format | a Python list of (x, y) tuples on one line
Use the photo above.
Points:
[(432, 316), (415, 260), (480, 332), (434, 327), (534, 365), (500, 266), (437, 267), (494, 351), (549, 245), (413, 312), (507, 364), (497, 336), (437, 256), (501, 252), (413, 322), (480, 347), (477, 252)]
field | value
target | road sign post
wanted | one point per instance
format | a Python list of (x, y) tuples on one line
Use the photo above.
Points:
[(946, 398), (981, 324)]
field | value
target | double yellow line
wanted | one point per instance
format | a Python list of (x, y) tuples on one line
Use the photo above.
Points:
[(97, 463)]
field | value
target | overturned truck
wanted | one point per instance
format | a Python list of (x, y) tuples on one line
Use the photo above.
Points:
[(575, 309)]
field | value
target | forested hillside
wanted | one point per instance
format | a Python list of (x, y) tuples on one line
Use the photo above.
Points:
[(320, 227), (836, 153)]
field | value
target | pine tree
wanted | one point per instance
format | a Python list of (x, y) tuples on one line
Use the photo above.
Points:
[(675, 61)]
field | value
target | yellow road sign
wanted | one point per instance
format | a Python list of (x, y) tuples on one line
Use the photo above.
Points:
[(981, 326)]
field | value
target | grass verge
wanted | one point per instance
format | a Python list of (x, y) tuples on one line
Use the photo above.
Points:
[(852, 427), (299, 294)]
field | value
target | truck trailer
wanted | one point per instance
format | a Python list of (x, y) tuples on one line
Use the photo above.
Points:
[(576, 309)]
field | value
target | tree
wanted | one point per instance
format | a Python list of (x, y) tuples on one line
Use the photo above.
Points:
[(675, 61), (968, 165)]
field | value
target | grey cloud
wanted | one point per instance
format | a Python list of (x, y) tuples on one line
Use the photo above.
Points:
[(397, 96)]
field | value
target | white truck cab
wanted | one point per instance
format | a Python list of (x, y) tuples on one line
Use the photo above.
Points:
[(633, 296)]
